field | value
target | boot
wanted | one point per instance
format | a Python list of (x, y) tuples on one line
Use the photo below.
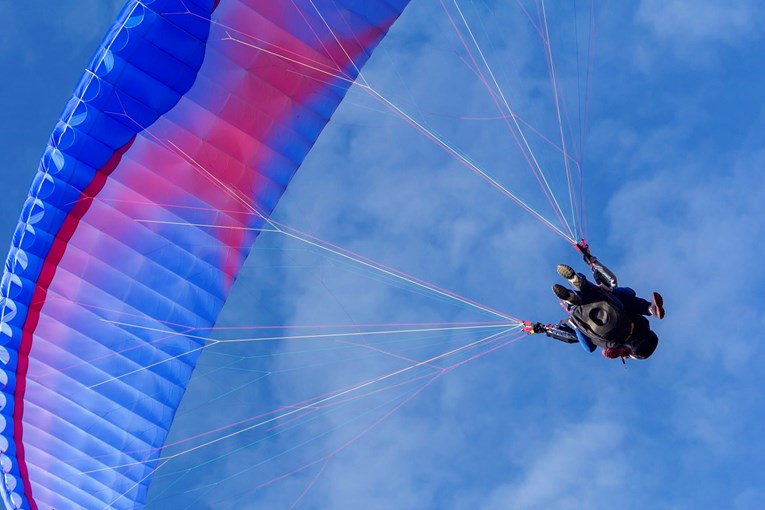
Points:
[(572, 276), (566, 295)]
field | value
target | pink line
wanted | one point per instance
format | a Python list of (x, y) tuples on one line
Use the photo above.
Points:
[(327, 52), (305, 326), (512, 131), (310, 485), (368, 429), (382, 351), (505, 193), (588, 90), (347, 443), (337, 403), (372, 426), (483, 353), (379, 265), (561, 106), (190, 330), (396, 272), (503, 116), (531, 20), (306, 59), (311, 409)]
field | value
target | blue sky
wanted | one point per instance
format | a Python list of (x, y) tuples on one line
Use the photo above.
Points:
[(674, 203)]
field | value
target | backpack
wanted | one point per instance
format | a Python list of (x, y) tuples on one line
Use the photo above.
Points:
[(602, 318)]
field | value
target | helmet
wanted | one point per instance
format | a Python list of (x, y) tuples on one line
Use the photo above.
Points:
[(643, 348)]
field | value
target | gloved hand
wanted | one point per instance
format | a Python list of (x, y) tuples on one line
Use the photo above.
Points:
[(584, 249), (536, 327)]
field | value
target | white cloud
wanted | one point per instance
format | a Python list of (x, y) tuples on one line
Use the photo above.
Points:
[(677, 228), (750, 499), (689, 28), (576, 464), (693, 230)]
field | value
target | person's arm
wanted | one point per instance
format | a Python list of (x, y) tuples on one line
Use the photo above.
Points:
[(602, 274), (561, 331), (584, 341)]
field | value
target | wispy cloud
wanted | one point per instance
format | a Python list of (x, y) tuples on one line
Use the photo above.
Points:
[(577, 466), (690, 29), (675, 205)]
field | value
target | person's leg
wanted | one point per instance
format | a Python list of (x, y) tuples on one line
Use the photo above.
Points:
[(633, 305)]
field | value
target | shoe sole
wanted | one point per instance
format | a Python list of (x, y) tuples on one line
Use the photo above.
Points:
[(561, 292), (569, 274), (566, 272), (658, 303), (566, 295)]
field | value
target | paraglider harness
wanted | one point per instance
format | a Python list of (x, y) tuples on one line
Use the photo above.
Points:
[(599, 320), (602, 318)]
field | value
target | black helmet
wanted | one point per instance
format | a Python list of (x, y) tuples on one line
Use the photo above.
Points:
[(642, 349)]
